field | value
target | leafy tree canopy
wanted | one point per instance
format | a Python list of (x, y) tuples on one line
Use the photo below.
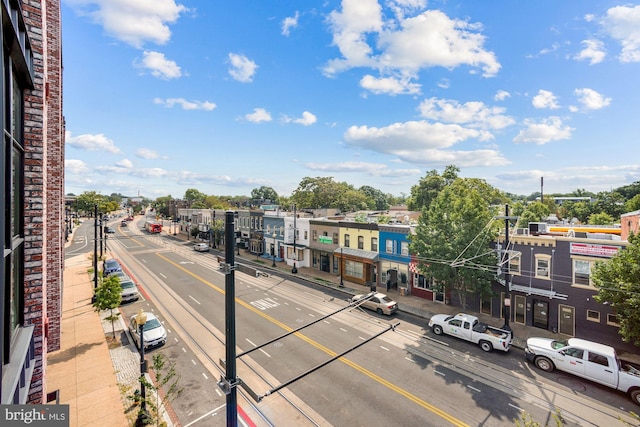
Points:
[(265, 194), (452, 238), (534, 212), (601, 218), (618, 283), (192, 195)]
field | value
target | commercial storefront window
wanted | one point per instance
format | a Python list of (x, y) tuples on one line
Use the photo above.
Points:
[(354, 269)]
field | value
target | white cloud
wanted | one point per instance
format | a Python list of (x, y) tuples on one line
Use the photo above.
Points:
[(89, 142), (371, 169), (475, 114), (186, 105), (242, 68), (307, 119), (547, 130), (623, 24), (501, 95), (545, 99), (125, 163), (133, 22), (389, 85), (76, 167), (258, 115), (593, 51), (288, 23), (405, 45), (424, 143), (159, 66), (590, 99), (147, 153)]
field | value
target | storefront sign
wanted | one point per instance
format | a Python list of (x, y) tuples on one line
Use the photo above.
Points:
[(325, 239), (594, 250)]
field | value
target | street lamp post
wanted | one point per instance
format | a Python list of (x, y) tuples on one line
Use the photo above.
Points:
[(294, 270), (141, 319), (273, 249), (341, 264)]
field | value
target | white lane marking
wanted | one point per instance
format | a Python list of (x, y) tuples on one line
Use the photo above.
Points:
[(439, 373), (343, 329), (384, 348), (473, 388), (205, 376), (516, 407), (193, 361), (410, 360), (163, 275), (198, 302)]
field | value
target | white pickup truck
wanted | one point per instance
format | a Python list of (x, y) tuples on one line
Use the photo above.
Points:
[(586, 359), (468, 327)]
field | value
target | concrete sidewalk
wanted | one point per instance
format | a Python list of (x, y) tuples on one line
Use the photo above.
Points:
[(82, 370)]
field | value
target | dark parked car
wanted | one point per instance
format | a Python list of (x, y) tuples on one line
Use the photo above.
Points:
[(110, 266), (109, 230)]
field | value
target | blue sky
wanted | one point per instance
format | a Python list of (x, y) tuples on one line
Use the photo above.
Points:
[(226, 96)]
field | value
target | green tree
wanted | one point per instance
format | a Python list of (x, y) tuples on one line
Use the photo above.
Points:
[(377, 199), (193, 196), (601, 218), (216, 202), (534, 212), (632, 204), (108, 296), (315, 193), (165, 387), (610, 202), (86, 202), (618, 283), (452, 240), (579, 210), (265, 193), (425, 191)]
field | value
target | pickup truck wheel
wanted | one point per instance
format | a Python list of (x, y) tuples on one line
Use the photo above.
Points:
[(544, 364), (486, 346), (437, 329), (635, 396)]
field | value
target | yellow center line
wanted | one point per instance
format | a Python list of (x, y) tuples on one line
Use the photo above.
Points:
[(331, 353)]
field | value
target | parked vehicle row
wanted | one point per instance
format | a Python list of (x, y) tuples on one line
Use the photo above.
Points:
[(111, 267), (154, 333)]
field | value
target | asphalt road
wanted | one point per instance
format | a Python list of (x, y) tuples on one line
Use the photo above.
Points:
[(405, 376)]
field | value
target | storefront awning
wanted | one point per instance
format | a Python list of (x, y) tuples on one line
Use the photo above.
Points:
[(357, 253)]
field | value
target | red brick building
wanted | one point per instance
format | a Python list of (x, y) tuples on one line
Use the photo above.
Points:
[(32, 216)]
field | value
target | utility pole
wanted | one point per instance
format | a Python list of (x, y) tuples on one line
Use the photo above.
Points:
[(95, 249), (507, 299), (229, 383)]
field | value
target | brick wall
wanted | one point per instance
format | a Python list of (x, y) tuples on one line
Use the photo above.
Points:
[(44, 186)]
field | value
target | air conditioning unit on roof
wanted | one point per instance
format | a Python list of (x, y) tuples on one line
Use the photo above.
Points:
[(536, 228)]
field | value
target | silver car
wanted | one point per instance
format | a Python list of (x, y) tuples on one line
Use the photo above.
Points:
[(154, 333), (129, 289), (377, 302)]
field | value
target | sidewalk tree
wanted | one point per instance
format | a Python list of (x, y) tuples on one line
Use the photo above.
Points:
[(454, 236), (108, 296), (618, 284), (165, 387)]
